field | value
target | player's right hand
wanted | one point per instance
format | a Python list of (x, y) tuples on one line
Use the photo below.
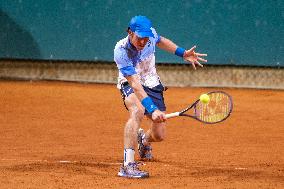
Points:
[(158, 116)]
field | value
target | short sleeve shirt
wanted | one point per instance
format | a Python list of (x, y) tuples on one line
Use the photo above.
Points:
[(130, 61)]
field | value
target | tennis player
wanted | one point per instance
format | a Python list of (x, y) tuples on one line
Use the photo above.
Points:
[(142, 90)]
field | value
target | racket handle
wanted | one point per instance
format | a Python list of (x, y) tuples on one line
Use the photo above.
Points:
[(175, 114)]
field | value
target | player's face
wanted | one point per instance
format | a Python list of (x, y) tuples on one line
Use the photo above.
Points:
[(137, 42)]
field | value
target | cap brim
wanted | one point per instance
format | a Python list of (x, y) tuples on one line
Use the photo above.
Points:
[(143, 34)]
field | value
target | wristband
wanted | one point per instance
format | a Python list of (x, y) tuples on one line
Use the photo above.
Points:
[(149, 105), (180, 51)]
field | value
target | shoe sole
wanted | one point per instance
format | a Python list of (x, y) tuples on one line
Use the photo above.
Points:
[(131, 176)]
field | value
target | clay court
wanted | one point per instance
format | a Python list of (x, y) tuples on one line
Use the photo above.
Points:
[(70, 135)]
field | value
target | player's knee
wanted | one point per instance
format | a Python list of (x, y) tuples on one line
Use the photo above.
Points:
[(158, 131)]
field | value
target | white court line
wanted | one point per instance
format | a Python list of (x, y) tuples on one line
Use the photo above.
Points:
[(67, 161), (24, 160), (58, 161)]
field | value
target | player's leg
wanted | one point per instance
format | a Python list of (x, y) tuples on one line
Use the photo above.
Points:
[(136, 114)]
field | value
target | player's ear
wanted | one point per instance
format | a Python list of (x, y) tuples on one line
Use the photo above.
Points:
[(129, 31)]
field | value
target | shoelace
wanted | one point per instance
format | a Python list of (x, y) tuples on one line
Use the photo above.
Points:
[(134, 167), (136, 164)]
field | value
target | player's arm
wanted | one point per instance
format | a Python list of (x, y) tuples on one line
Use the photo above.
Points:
[(188, 55), (133, 81), (146, 101), (167, 45)]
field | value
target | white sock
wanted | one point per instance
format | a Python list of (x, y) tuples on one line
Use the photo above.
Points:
[(128, 156)]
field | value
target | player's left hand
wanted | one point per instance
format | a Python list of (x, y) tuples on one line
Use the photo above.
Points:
[(194, 57)]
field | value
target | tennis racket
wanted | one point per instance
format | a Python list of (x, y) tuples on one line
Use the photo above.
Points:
[(218, 109)]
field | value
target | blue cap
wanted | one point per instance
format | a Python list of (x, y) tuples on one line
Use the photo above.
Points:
[(141, 26)]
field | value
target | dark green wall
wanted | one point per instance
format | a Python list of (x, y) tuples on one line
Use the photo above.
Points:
[(239, 32)]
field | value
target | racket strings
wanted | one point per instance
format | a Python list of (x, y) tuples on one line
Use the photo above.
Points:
[(218, 108)]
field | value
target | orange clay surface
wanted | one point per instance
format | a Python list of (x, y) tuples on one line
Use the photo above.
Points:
[(70, 135)]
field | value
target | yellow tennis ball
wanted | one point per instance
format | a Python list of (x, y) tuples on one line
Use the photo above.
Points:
[(204, 98)]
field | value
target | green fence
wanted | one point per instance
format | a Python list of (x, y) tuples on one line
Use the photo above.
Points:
[(237, 32)]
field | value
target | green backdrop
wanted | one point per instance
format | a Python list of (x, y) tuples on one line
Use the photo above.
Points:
[(238, 32)]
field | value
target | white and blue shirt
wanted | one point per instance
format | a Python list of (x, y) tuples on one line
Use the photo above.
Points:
[(130, 61)]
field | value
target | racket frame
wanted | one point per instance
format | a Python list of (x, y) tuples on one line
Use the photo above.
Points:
[(182, 113)]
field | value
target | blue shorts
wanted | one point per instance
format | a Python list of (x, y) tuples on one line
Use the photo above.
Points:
[(155, 93)]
